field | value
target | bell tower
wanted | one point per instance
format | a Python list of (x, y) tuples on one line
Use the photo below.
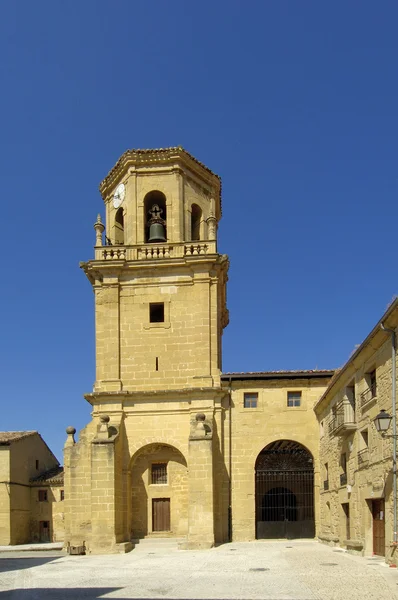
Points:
[(151, 459), (158, 279)]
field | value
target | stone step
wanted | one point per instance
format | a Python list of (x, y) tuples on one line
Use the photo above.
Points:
[(153, 543)]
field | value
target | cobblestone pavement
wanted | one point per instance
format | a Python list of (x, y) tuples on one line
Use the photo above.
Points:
[(299, 570)]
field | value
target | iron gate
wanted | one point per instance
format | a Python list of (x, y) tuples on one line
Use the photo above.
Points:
[(284, 492)]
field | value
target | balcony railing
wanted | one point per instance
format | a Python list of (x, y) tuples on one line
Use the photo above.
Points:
[(368, 395), (343, 478), (326, 484), (155, 251), (342, 419), (363, 458)]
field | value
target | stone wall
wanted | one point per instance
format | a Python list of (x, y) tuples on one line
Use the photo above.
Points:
[(252, 429), (5, 514), (367, 453), (51, 510)]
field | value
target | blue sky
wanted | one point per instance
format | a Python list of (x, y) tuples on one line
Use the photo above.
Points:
[(293, 103)]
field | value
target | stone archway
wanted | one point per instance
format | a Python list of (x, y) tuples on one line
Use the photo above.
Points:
[(159, 492), (284, 491)]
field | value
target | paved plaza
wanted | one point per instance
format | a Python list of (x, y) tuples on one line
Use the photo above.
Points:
[(299, 570)]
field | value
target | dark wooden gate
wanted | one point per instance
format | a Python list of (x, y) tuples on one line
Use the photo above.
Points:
[(284, 492), (161, 514), (44, 531), (379, 542)]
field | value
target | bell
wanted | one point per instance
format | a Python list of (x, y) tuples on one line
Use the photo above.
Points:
[(156, 232)]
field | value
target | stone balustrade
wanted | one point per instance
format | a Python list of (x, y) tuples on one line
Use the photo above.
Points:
[(151, 252), (343, 419), (195, 249), (113, 253), (143, 252)]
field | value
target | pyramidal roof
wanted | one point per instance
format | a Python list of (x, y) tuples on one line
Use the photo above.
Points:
[(152, 155)]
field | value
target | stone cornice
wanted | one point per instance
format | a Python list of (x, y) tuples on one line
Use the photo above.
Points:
[(97, 269), (193, 393)]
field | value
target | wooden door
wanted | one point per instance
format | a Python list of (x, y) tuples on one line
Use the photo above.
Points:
[(161, 514), (44, 531), (379, 543)]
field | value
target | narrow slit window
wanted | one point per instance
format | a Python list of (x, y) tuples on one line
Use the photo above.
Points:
[(156, 312), (159, 473), (157, 363)]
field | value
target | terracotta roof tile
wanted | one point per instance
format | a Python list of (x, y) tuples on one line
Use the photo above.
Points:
[(54, 475), (252, 374), (6, 437)]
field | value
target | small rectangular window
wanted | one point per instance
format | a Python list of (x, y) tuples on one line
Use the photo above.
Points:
[(294, 398), (37, 465), (42, 495), (159, 473), (156, 312), (250, 400), (62, 495)]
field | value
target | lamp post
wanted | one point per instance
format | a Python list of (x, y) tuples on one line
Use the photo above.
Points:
[(383, 421)]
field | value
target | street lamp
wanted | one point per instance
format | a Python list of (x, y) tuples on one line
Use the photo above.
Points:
[(382, 422)]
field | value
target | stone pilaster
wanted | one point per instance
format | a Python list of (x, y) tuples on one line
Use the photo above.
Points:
[(200, 511), (103, 492)]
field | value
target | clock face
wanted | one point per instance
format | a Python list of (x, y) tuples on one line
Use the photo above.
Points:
[(119, 195)]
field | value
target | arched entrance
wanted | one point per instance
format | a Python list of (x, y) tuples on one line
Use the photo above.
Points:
[(159, 492), (284, 491)]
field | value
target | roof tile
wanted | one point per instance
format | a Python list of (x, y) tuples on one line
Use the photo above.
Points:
[(7, 437)]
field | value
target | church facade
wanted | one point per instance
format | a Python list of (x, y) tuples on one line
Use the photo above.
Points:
[(175, 447)]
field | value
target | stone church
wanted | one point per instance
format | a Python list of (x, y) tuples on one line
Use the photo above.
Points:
[(175, 446)]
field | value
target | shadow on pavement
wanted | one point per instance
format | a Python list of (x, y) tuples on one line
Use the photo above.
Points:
[(17, 564), (58, 593)]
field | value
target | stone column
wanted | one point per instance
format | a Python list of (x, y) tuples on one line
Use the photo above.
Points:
[(201, 508)]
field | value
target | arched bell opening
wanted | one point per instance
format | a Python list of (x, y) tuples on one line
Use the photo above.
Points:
[(284, 473), (196, 221), (119, 226), (159, 491), (155, 217)]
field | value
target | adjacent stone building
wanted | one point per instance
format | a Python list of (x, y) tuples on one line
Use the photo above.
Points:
[(357, 492), (31, 490)]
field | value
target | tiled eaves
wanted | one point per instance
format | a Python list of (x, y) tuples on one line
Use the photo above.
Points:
[(259, 375), (7, 437), (55, 475)]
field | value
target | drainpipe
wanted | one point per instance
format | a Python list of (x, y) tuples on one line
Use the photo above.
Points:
[(394, 425)]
